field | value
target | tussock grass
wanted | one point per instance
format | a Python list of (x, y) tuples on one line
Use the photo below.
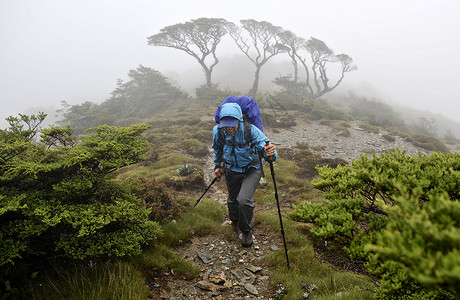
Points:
[(160, 257), (203, 219), (170, 160), (295, 189), (162, 170), (264, 197), (194, 147), (117, 280), (285, 173), (306, 268)]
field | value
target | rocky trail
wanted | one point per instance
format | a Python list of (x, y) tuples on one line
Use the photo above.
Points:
[(230, 271), (227, 270)]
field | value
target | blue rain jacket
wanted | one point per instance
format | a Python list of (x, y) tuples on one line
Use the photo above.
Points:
[(238, 154)]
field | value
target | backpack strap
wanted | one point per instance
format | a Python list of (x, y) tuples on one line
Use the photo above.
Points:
[(247, 130)]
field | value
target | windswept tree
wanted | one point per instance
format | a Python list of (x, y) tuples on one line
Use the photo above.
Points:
[(198, 38), (259, 41), (293, 44), (316, 77), (321, 56)]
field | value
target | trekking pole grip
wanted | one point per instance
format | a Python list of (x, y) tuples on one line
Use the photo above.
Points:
[(267, 142), (270, 161)]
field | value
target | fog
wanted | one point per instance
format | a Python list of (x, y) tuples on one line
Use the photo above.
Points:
[(407, 52)]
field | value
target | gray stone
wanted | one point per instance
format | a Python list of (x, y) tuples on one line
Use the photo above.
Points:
[(252, 289), (254, 269), (237, 273), (191, 290), (263, 278), (204, 285), (248, 279), (207, 257)]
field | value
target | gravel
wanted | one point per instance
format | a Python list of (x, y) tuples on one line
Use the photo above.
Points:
[(333, 143)]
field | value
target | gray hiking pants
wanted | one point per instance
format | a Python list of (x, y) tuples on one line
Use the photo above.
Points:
[(241, 188)]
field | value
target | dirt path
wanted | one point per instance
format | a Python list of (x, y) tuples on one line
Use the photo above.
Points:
[(227, 270)]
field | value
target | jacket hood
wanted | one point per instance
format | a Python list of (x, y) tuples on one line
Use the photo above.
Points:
[(231, 110)]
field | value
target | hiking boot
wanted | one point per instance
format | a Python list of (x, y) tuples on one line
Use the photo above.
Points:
[(246, 239), (236, 229)]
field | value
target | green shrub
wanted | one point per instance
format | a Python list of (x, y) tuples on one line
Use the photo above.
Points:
[(278, 120), (366, 204), (404, 135), (389, 137), (213, 94), (344, 131), (62, 199), (417, 253), (370, 128), (429, 143), (162, 205)]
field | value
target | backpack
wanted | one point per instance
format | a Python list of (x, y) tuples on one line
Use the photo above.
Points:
[(249, 108), (251, 115)]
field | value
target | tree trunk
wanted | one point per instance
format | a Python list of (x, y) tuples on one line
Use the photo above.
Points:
[(255, 85), (208, 74)]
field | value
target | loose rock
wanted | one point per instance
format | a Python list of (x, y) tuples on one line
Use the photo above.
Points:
[(252, 289)]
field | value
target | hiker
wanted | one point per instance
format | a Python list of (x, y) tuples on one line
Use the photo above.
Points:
[(243, 167)]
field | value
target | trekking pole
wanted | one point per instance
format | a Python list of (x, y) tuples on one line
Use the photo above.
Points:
[(212, 182), (278, 204)]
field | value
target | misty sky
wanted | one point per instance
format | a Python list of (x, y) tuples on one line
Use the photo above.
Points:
[(407, 51)]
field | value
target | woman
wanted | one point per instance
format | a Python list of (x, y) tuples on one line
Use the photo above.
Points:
[(242, 166)]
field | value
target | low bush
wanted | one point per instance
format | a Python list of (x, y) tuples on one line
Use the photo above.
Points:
[(389, 138), (429, 143), (402, 204), (62, 200), (162, 204), (210, 94), (278, 120), (416, 255), (370, 128)]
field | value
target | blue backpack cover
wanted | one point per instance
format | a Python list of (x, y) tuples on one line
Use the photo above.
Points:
[(249, 108)]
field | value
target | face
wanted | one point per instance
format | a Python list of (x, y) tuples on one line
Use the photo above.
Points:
[(231, 130)]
